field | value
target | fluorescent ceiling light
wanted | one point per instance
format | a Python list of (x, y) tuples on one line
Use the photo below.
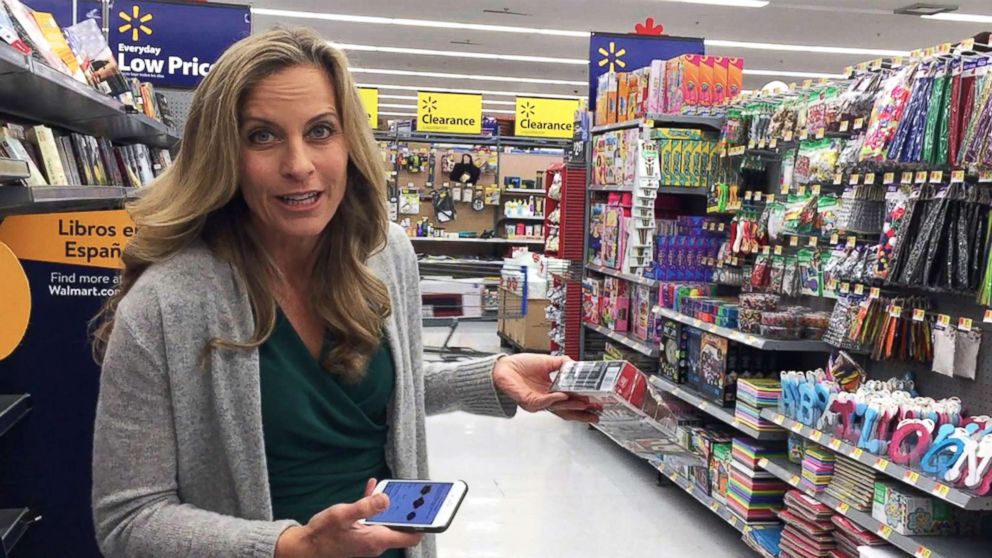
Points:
[(460, 54), (471, 91), (416, 22), (414, 107), (963, 18), (733, 3), (805, 48), (388, 113), (473, 77), (786, 73), (414, 98), (390, 105)]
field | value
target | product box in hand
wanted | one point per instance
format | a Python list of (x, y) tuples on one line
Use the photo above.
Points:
[(910, 512), (616, 385)]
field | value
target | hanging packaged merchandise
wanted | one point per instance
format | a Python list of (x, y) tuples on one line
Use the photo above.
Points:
[(944, 345), (970, 84), (811, 279), (939, 101), (777, 275), (775, 220), (761, 274), (857, 101), (784, 120), (907, 143), (465, 172), (444, 207), (827, 208), (896, 199), (823, 110), (790, 277), (851, 153), (788, 171), (864, 209), (844, 315), (887, 113), (975, 145), (734, 131), (409, 202), (966, 349)]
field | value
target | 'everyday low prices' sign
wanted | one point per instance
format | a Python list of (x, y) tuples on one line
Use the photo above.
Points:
[(452, 113), (370, 100), (545, 118)]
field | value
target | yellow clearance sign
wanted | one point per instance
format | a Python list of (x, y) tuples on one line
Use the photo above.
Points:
[(545, 118), (370, 100), (86, 238), (451, 113)]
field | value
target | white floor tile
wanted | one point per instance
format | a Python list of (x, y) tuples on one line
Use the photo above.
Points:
[(541, 487)]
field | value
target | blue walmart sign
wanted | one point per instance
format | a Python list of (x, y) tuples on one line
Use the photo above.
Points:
[(170, 44), (610, 52)]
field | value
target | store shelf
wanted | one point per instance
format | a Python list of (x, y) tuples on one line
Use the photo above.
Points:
[(715, 506), (652, 351), (524, 192), (13, 169), (12, 409), (723, 414), (930, 546), (536, 218), (746, 338), (625, 276), (38, 93), (618, 126), (13, 524), (458, 139), (20, 200), (913, 478), (611, 188), (664, 120), (476, 240), (678, 190)]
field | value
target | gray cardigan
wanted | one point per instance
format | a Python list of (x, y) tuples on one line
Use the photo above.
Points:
[(178, 454)]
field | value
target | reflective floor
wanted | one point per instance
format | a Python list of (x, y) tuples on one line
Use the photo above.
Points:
[(540, 487)]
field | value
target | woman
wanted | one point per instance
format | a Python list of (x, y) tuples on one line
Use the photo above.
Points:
[(262, 361)]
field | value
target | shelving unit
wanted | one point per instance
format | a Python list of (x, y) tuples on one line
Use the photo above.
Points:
[(13, 169), (22, 200), (916, 479), (13, 524), (12, 409), (653, 120), (677, 190), (621, 275), (929, 546), (611, 188), (746, 338), (36, 92), (723, 414), (477, 240), (525, 192), (539, 219), (639, 346)]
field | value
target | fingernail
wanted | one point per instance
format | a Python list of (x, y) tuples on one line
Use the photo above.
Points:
[(379, 501)]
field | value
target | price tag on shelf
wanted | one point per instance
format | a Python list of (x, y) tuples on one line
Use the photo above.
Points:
[(921, 177), (912, 477), (838, 179), (937, 176), (957, 176), (854, 180), (834, 238), (870, 178), (885, 532), (859, 123), (802, 191), (944, 320), (763, 144), (766, 250), (759, 195), (794, 241), (704, 405), (816, 189), (816, 435), (859, 289), (881, 464), (785, 189), (778, 250), (856, 453), (789, 135), (923, 552), (835, 444), (763, 462), (794, 480), (907, 178), (964, 324), (988, 317), (888, 178), (895, 311), (821, 133), (852, 241), (843, 507), (845, 125), (875, 292), (985, 176), (797, 427), (715, 506), (845, 288), (941, 490), (803, 134), (749, 195), (779, 420), (721, 226), (752, 144), (773, 143), (813, 240)]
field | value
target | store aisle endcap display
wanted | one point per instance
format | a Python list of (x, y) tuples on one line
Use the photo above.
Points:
[(15, 307)]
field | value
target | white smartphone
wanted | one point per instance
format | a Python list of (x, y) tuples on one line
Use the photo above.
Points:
[(422, 506)]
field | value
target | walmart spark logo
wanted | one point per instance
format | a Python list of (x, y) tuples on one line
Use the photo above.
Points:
[(135, 23), (613, 57), (430, 105), (528, 109)]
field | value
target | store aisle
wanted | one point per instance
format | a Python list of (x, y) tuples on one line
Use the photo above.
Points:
[(540, 487)]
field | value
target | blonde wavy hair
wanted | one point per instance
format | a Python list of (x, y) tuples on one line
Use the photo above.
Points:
[(198, 197)]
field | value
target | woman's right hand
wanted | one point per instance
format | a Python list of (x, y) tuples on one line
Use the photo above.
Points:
[(337, 533)]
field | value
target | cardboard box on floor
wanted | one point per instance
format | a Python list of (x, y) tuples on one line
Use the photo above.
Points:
[(529, 331)]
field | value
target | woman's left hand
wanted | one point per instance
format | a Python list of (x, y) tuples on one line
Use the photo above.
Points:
[(525, 378)]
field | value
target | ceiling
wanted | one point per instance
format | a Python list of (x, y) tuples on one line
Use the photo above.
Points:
[(844, 23)]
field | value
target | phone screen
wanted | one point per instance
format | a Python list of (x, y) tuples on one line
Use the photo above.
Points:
[(413, 503)]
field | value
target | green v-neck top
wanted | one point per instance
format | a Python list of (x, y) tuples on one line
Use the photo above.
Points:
[(323, 437)]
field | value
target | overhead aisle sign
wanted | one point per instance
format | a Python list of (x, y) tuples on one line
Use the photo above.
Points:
[(450, 113), (545, 118), (370, 100)]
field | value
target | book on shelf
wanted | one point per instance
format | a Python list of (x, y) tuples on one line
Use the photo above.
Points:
[(97, 60), (13, 146), (9, 34), (44, 140), (26, 27), (56, 40)]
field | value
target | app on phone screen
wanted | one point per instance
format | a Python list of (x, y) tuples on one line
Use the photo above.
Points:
[(413, 503)]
